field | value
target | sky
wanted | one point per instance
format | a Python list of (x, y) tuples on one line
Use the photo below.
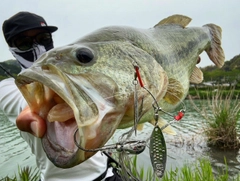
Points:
[(76, 18)]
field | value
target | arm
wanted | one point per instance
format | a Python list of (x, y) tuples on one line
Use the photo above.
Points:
[(15, 108), (11, 99)]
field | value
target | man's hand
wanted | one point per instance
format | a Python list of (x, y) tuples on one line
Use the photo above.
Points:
[(31, 122)]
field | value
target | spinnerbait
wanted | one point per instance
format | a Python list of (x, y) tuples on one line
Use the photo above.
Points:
[(157, 148)]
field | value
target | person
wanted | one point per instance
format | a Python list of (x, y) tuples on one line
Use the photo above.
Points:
[(28, 37)]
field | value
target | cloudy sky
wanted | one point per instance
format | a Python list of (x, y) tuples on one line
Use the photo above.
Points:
[(76, 18)]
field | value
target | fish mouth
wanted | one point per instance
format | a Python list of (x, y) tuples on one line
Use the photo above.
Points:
[(57, 141), (66, 109)]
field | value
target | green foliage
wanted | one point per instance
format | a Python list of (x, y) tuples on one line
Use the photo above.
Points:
[(24, 174), (229, 73), (222, 114), (199, 171), (209, 92)]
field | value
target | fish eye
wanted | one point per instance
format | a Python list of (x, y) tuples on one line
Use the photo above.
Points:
[(84, 55)]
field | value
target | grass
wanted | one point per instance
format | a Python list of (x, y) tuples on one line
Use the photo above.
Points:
[(209, 92), (201, 170), (221, 114), (24, 174)]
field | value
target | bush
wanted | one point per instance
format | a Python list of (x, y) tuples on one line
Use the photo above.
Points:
[(222, 113)]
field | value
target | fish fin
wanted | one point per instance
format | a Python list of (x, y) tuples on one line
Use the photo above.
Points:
[(152, 122), (197, 76), (174, 92), (175, 19), (215, 52), (161, 122), (140, 127)]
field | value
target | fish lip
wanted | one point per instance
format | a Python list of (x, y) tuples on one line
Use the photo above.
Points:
[(60, 156)]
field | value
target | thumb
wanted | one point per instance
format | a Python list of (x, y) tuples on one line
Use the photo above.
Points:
[(31, 122)]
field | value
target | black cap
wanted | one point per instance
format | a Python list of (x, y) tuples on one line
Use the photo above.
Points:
[(24, 21)]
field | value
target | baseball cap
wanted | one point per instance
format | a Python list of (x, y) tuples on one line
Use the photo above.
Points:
[(24, 21)]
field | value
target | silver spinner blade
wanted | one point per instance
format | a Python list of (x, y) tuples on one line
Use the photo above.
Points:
[(158, 151)]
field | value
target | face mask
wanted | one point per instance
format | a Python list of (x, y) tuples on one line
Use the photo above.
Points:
[(26, 58)]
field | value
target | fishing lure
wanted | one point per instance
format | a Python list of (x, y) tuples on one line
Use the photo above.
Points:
[(157, 148), (158, 151)]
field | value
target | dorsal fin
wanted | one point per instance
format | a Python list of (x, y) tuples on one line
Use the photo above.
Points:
[(175, 19)]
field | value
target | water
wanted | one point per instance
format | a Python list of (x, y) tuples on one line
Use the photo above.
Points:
[(14, 151), (186, 147)]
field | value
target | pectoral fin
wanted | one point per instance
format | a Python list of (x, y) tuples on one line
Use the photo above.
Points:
[(197, 76), (174, 92)]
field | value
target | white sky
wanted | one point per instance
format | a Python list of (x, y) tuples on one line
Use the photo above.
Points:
[(76, 18)]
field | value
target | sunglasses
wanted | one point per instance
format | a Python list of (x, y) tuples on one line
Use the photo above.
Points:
[(26, 42)]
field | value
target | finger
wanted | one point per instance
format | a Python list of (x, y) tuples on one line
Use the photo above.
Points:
[(31, 122)]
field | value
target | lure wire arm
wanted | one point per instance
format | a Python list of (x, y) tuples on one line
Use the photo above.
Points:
[(135, 104), (131, 147), (155, 105)]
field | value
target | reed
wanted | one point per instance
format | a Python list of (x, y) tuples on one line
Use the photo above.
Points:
[(221, 114)]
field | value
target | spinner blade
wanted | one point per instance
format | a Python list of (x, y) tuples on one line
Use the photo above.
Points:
[(158, 151)]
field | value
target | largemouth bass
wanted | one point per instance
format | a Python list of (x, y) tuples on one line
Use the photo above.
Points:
[(88, 84)]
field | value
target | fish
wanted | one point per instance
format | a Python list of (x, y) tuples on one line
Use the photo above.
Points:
[(91, 84)]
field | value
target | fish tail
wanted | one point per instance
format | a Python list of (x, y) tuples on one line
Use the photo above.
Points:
[(215, 51)]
